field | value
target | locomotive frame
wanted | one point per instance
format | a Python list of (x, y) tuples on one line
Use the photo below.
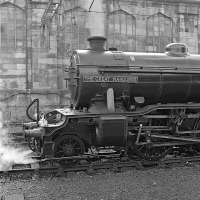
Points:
[(150, 133)]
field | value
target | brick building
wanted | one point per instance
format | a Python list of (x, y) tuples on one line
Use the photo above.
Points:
[(37, 36)]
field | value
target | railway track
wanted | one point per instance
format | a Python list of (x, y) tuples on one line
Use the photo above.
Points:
[(90, 164)]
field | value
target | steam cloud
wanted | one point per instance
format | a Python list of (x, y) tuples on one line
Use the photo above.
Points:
[(10, 155), (96, 16)]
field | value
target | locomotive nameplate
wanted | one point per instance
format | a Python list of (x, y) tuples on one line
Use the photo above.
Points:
[(110, 79)]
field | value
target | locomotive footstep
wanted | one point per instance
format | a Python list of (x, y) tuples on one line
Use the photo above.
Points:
[(60, 172), (139, 165), (116, 168), (36, 174), (90, 171)]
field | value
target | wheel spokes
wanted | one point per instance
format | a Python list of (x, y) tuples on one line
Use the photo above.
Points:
[(69, 145)]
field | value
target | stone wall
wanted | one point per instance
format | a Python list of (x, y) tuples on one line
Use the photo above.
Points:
[(28, 70), (12, 59)]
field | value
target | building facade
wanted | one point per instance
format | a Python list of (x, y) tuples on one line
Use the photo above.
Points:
[(37, 37), (130, 25)]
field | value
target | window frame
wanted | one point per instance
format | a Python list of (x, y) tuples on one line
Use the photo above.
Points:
[(6, 38), (114, 34)]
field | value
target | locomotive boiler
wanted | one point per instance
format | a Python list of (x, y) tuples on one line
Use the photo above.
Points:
[(142, 103), (148, 77)]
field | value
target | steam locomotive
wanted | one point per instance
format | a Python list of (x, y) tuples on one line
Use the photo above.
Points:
[(143, 104)]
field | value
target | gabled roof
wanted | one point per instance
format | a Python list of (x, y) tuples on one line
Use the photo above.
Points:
[(9, 4)]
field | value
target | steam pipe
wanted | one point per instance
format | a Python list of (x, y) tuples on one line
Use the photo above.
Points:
[(27, 110), (26, 43)]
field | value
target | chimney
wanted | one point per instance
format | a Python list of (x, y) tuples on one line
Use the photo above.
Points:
[(97, 43)]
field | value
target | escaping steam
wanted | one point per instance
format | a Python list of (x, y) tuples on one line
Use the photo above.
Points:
[(10, 155), (96, 16)]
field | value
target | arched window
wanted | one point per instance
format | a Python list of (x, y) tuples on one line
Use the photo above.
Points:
[(122, 31), (12, 27), (75, 31), (45, 36), (159, 32)]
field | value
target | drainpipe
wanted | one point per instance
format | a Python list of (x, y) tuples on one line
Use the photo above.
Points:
[(107, 19), (26, 43)]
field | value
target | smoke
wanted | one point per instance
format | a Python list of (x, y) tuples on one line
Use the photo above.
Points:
[(96, 16), (10, 155)]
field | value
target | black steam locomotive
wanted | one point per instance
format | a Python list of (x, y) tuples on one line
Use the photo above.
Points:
[(145, 104)]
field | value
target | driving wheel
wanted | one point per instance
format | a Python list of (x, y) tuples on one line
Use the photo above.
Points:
[(68, 145)]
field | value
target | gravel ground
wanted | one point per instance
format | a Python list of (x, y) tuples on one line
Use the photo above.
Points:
[(181, 183)]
